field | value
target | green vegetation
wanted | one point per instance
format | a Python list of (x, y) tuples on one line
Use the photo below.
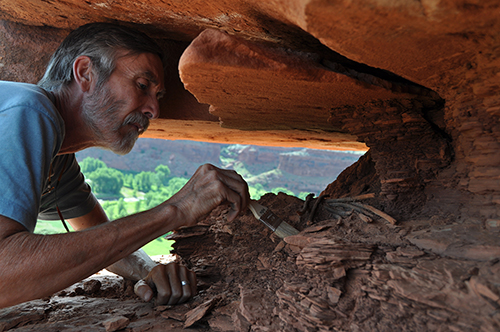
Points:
[(122, 193)]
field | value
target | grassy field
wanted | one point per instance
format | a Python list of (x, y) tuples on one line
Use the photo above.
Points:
[(160, 246)]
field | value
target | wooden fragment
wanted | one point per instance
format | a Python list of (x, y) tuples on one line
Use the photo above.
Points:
[(299, 240), (187, 232), (333, 294), (365, 218), (352, 199), (379, 213), (350, 203), (175, 315)]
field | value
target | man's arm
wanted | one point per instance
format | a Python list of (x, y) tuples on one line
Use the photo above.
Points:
[(135, 267), (33, 266), (138, 266)]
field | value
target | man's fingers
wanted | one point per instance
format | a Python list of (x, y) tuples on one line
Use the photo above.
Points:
[(143, 291), (173, 284), (193, 282), (236, 191), (160, 277), (208, 188), (233, 180), (186, 284), (235, 201)]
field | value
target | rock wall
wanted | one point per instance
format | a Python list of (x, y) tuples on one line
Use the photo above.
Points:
[(349, 269), (415, 82)]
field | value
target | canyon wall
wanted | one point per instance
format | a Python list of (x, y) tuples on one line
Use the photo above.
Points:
[(415, 83)]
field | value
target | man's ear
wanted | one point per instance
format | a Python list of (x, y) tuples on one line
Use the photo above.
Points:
[(82, 73)]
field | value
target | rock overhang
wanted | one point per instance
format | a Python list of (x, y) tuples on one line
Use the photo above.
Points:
[(414, 82), (433, 160), (420, 44)]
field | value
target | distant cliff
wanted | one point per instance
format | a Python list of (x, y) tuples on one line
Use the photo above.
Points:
[(299, 170)]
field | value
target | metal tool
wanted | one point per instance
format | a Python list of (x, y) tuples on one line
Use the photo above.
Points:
[(266, 216)]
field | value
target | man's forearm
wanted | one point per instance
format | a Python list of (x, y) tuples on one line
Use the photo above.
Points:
[(33, 266), (135, 267)]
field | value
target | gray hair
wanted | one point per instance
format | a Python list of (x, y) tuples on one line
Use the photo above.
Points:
[(100, 42)]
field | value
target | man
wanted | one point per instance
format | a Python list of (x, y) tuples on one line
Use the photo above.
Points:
[(100, 88)]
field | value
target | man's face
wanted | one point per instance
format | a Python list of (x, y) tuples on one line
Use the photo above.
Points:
[(120, 111)]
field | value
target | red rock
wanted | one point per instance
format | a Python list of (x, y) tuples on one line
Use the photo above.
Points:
[(116, 323), (325, 74)]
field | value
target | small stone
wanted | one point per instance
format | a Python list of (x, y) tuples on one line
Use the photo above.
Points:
[(280, 246), (116, 323), (92, 286), (294, 249), (334, 294), (297, 240), (199, 312)]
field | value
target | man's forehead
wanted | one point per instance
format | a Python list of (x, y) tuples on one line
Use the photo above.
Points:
[(147, 65)]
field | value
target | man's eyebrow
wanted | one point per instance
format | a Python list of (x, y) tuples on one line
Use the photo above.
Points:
[(161, 93), (151, 77)]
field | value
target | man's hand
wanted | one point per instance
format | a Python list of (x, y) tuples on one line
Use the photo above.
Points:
[(172, 284), (208, 188)]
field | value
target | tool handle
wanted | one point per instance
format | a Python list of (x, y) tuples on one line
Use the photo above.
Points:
[(257, 209)]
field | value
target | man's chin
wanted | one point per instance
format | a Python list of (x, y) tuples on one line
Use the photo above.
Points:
[(125, 145)]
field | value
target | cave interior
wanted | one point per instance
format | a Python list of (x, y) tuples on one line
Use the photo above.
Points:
[(407, 238)]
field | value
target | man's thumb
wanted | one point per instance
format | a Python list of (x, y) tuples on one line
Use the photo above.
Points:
[(142, 290)]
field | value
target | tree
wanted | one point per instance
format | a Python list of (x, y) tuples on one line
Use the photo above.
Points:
[(153, 199), (175, 184), (106, 181), (144, 180), (89, 165), (120, 211), (283, 190), (303, 195), (138, 206), (109, 208), (128, 180), (256, 191), (163, 174)]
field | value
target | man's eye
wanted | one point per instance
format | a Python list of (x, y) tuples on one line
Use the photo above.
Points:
[(142, 86)]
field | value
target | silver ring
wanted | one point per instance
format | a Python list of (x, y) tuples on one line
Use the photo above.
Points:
[(184, 283)]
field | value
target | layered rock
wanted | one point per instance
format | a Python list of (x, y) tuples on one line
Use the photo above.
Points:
[(350, 268), (415, 82)]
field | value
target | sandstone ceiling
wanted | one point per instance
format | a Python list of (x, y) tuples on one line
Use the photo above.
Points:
[(273, 71)]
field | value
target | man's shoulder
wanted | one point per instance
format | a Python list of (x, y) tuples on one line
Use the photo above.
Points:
[(16, 94), (14, 90)]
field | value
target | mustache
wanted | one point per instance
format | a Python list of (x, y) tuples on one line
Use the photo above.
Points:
[(139, 119)]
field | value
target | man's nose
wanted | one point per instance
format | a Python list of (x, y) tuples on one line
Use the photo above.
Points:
[(152, 108)]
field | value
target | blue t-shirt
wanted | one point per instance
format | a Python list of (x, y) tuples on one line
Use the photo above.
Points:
[(32, 134)]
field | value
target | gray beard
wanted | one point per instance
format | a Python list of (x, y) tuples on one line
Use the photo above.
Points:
[(101, 115)]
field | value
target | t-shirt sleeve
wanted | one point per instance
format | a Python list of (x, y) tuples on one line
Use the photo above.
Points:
[(72, 194), (30, 137)]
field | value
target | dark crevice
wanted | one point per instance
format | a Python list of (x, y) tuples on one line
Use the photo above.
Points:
[(292, 37)]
